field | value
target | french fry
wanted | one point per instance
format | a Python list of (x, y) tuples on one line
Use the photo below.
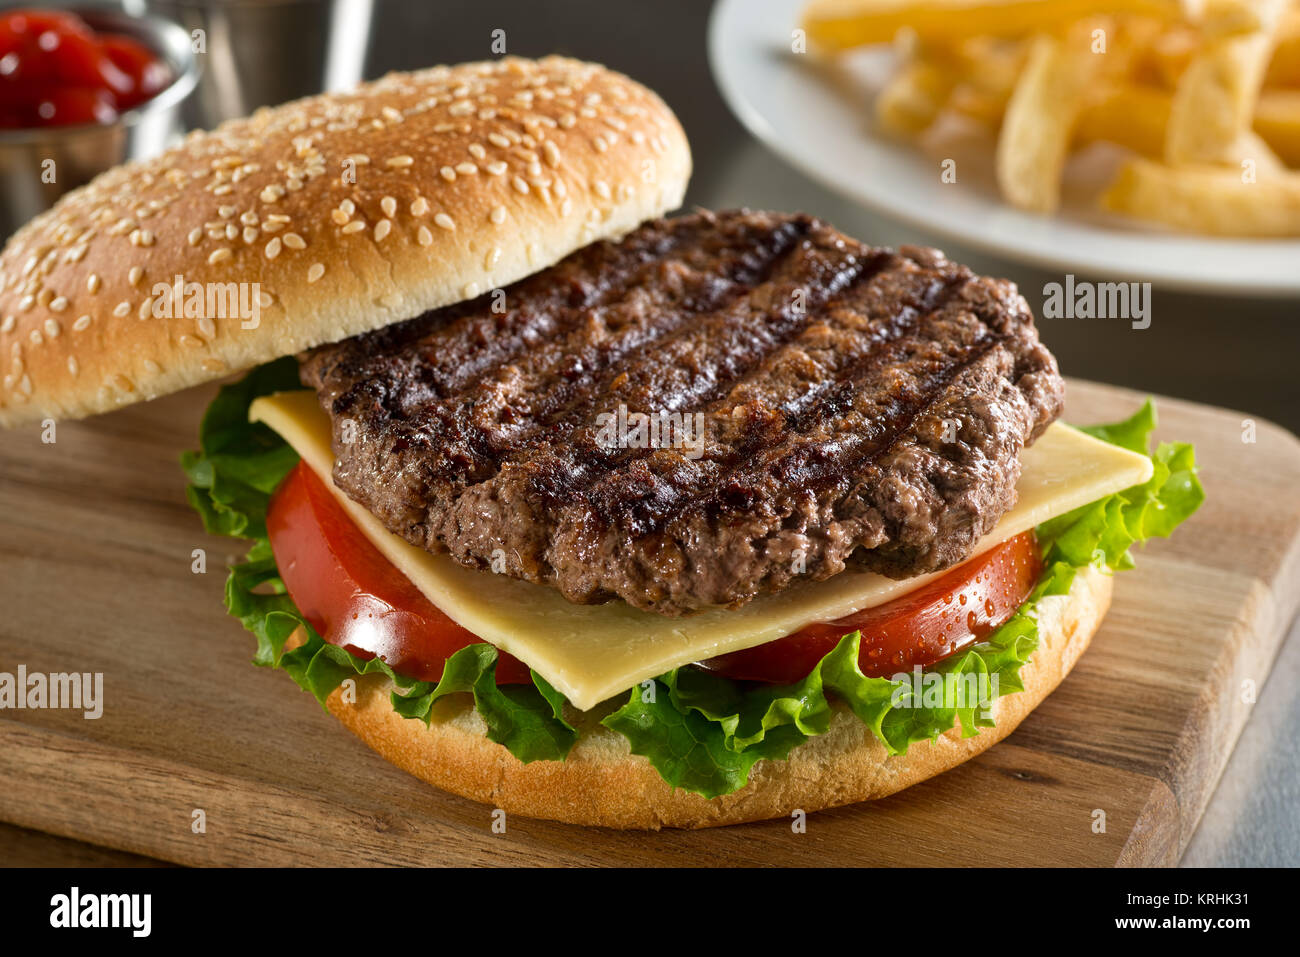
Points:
[(1129, 114), (1207, 199), (1277, 120), (1284, 67), (1041, 115), (837, 25), (914, 95), (990, 68), (1166, 59), (1216, 95)]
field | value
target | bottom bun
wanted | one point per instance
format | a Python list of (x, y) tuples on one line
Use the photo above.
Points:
[(603, 784)]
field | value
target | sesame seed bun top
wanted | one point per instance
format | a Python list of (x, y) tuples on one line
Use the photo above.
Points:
[(322, 219)]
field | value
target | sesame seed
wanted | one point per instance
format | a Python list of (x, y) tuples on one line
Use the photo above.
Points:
[(600, 144), (294, 241), (420, 206), (219, 256), (151, 366), (249, 218), (398, 162), (26, 384), (340, 217), (191, 341), (566, 207), (493, 255), (146, 308), (496, 167), (273, 248), (498, 215), (496, 139), (552, 153), (225, 212), (195, 236), (469, 290), (93, 283), (424, 236), (468, 169), (58, 304), (122, 309), (445, 221), (72, 365), (520, 184), (232, 231), (382, 229), (315, 272), (250, 234), (389, 206), (123, 383), (8, 324), (264, 299), (477, 151), (348, 207), (207, 328), (25, 304), (52, 328), (82, 323), (213, 365), (448, 174), (602, 189), (353, 227)]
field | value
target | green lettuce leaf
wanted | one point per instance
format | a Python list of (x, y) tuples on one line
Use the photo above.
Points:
[(701, 731)]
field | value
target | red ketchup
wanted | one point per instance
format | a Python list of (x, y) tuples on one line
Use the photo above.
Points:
[(56, 71)]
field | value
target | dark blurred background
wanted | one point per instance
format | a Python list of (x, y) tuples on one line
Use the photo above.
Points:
[(1237, 352)]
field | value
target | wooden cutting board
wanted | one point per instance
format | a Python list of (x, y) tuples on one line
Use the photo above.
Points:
[(96, 545)]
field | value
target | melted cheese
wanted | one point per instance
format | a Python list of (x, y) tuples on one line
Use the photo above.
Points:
[(593, 652)]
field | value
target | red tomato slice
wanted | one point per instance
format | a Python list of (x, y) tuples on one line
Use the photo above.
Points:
[(919, 628), (352, 595)]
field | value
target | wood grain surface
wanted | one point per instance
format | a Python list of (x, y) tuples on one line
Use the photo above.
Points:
[(95, 576)]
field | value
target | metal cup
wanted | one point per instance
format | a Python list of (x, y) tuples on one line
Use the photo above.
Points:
[(264, 52), (37, 166)]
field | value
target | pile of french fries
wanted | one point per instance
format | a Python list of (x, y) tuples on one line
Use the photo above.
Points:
[(1204, 95)]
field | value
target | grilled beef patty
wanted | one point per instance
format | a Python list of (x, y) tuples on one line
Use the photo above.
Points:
[(859, 405)]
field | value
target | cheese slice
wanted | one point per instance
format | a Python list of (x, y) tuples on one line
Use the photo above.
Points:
[(593, 652)]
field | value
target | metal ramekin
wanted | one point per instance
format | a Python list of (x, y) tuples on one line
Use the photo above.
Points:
[(265, 52)]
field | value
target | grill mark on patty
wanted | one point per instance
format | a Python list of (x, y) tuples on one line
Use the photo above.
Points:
[(558, 411), (576, 467), (554, 305), (478, 432), (567, 406), (786, 439)]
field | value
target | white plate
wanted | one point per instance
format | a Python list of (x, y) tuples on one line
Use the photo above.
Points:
[(821, 130)]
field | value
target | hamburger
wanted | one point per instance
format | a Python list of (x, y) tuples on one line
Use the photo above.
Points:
[(570, 508)]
